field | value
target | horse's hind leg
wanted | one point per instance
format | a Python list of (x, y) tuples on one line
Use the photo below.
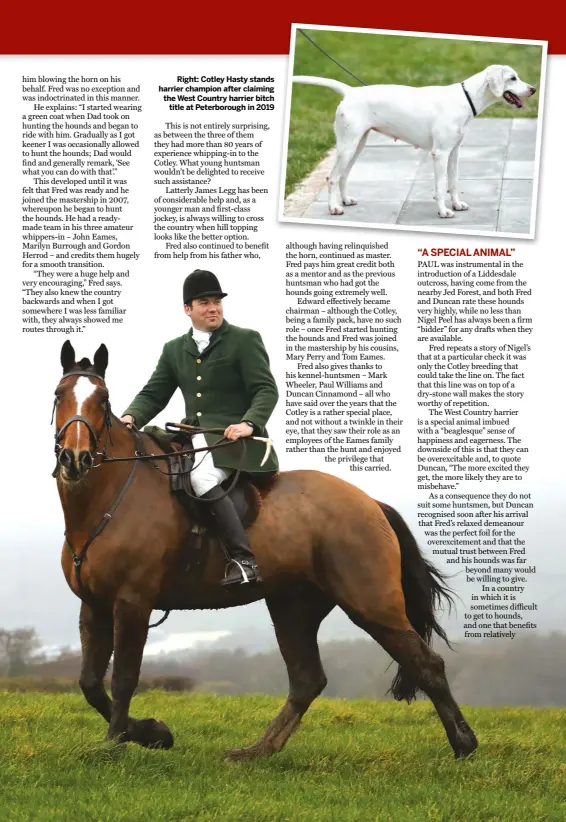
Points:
[(96, 643), (296, 620), (421, 668), (131, 621)]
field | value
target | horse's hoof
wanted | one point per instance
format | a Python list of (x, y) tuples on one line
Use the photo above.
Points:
[(245, 754), (466, 743), (151, 733)]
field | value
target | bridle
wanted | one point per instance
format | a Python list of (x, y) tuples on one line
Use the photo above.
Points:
[(94, 438)]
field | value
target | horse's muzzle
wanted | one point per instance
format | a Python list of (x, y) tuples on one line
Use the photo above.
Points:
[(75, 464)]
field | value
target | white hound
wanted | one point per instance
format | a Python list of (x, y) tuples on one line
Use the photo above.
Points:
[(434, 118)]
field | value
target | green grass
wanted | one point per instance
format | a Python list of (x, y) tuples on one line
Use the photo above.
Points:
[(416, 61), (350, 761)]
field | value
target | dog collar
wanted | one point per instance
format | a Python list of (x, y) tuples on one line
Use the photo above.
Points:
[(474, 112)]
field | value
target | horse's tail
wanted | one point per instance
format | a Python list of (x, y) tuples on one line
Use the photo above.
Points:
[(425, 590)]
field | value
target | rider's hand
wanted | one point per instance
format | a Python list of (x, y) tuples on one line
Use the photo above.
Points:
[(242, 429), (128, 420)]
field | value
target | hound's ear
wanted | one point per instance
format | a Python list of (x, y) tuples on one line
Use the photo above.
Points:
[(67, 356), (495, 80), (101, 361)]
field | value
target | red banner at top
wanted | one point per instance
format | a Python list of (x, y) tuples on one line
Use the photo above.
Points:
[(249, 28)]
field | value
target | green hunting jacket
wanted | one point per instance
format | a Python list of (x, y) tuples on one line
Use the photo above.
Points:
[(229, 382)]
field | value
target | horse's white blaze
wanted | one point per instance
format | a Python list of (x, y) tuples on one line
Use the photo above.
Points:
[(82, 390)]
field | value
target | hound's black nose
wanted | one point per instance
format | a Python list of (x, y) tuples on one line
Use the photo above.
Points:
[(533, 90)]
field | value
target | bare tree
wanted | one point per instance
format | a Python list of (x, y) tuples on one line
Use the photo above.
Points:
[(17, 650)]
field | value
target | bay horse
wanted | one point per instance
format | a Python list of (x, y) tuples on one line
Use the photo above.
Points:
[(319, 541)]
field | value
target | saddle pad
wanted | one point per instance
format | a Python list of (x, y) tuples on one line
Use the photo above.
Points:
[(166, 440)]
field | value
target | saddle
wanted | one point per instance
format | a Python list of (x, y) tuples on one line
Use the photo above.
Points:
[(246, 494)]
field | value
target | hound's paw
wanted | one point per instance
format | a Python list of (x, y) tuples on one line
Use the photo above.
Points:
[(445, 212), (335, 210), (348, 201), (460, 205)]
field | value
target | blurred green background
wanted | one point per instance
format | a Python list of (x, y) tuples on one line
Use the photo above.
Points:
[(388, 58)]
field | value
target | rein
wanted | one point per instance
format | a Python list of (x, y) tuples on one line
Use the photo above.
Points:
[(170, 426)]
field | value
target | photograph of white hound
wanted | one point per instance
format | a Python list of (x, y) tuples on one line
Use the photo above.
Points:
[(434, 118)]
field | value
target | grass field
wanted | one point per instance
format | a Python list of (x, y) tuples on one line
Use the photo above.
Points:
[(417, 61), (361, 760)]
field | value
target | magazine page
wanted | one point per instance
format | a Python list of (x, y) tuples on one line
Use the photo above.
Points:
[(281, 355)]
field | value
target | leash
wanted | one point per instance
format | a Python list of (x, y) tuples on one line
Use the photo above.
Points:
[(351, 73)]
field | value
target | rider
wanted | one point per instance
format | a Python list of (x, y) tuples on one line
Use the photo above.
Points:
[(224, 376)]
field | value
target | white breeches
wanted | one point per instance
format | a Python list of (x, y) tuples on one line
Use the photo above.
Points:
[(205, 475)]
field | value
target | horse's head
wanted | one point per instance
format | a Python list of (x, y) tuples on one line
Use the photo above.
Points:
[(82, 412)]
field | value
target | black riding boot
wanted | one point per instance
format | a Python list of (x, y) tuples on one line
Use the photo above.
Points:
[(231, 532)]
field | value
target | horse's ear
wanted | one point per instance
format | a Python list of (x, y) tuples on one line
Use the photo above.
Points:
[(101, 361), (67, 356)]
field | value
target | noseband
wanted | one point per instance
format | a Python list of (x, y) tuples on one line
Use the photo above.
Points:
[(78, 418)]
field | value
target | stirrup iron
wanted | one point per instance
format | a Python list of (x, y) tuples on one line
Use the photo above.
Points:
[(245, 577)]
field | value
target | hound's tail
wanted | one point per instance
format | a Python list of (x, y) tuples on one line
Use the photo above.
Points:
[(424, 588), (335, 85)]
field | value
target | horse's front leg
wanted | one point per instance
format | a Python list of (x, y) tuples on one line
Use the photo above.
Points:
[(131, 620), (96, 643)]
